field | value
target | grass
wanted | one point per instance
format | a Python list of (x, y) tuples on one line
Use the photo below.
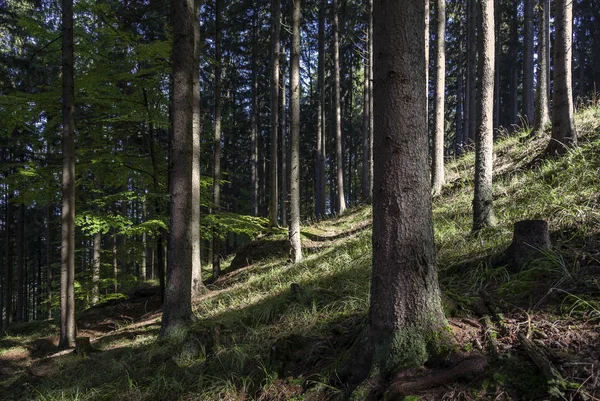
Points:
[(264, 338)]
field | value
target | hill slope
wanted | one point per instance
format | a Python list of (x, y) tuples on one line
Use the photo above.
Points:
[(277, 331)]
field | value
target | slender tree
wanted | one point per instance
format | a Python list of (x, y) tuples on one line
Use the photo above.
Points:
[(437, 168), (528, 51), (471, 103), (21, 280), (96, 268), (275, 43), (216, 248), (8, 276), (542, 113), (337, 120), (405, 311), (197, 285), (67, 263), (177, 307), (366, 141), (284, 148), (294, 229), (320, 156), (483, 213), (563, 123)]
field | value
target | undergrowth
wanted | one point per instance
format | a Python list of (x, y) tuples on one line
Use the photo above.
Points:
[(278, 331)]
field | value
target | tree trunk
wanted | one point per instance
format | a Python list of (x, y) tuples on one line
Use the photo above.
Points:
[(284, 147), (542, 114), (437, 168), (497, 21), (514, 71), (275, 33), (458, 139), (8, 278), (405, 314), (563, 123), (48, 262), (483, 214), (320, 154), (216, 262), (341, 199), (96, 269), (177, 308), (294, 229), (366, 141), (471, 115), (115, 265), (427, 33), (67, 264), (528, 51), (21, 281), (197, 285)]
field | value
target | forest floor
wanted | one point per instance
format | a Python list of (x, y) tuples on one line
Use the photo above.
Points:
[(273, 330)]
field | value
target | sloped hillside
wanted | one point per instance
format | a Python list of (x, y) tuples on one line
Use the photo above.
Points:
[(271, 330)]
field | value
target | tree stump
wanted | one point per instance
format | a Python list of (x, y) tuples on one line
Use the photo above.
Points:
[(530, 239), (83, 347)]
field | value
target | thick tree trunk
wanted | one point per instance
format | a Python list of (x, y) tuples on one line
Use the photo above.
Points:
[(542, 113), (216, 262), (67, 264), (437, 168), (177, 308), (427, 33), (528, 51), (341, 199), (96, 269), (294, 230), (275, 33), (405, 316), (563, 123), (483, 214), (197, 285), (320, 154)]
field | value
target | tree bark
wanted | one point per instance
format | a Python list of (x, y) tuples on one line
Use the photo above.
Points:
[(341, 199), (216, 262), (563, 123), (275, 33), (366, 140), (528, 51), (284, 147), (48, 262), (197, 285), (21, 280), (96, 269), (294, 229), (514, 71), (471, 115), (67, 264), (483, 213), (460, 104), (437, 168), (320, 154), (542, 113), (405, 315), (177, 308), (8, 278)]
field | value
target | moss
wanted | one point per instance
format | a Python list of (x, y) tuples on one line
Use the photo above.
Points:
[(412, 346)]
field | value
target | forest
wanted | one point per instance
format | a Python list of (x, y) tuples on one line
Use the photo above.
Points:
[(300, 199)]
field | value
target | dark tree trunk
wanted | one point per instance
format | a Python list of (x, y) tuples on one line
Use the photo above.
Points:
[(275, 33), (177, 307), (96, 269), (437, 168), (405, 314), (471, 116), (67, 264), (542, 113), (320, 154), (528, 51), (458, 139), (294, 229), (483, 213), (21, 281), (366, 138), (514, 70), (48, 262), (284, 147), (8, 278), (563, 123), (497, 21), (216, 262)]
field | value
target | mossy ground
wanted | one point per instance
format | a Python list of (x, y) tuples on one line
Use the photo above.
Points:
[(262, 338)]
